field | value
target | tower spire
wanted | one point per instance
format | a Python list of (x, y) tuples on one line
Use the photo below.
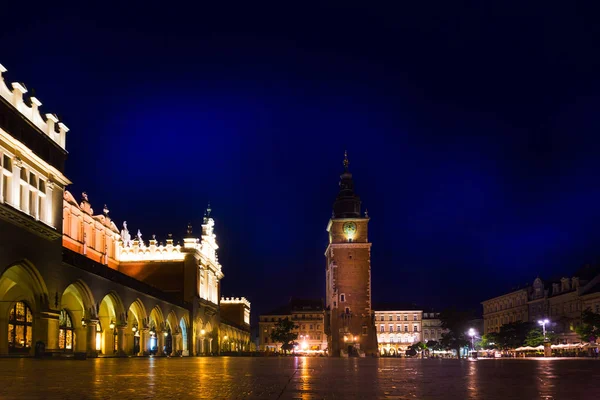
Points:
[(346, 162), (347, 203)]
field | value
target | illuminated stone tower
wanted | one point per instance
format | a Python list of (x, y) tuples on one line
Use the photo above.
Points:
[(348, 275)]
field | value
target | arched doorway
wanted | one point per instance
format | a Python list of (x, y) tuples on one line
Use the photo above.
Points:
[(184, 337), (23, 294), (110, 316), (20, 328), (76, 305), (168, 347), (66, 333), (136, 323)]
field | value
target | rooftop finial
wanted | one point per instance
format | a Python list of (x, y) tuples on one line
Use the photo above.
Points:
[(346, 162), (189, 229), (106, 210), (208, 210)]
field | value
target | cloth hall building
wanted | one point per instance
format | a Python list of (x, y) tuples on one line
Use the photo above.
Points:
[(72, 282)]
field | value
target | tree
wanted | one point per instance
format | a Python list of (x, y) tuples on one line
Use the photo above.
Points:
[(457, 324), (418, 347), (589, 329), (489, 341), (513, 334), (282, 333)]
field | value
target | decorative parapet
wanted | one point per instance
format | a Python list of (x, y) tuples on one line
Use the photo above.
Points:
[(47, 126), (136, 249), (235, 300)]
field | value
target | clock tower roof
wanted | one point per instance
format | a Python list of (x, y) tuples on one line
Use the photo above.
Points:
[(347, 203)]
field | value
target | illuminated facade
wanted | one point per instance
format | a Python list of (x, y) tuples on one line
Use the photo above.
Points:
[(348, 275), (309, 317), (71, 282), (561, 302), (397, 330)]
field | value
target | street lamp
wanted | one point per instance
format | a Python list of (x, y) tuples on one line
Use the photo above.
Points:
[(472, 334), (543, 324)]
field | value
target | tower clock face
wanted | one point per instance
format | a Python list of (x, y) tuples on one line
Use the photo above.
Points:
[(350, 228)]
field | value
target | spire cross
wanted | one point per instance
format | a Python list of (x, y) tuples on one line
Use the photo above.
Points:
[(346, 162)]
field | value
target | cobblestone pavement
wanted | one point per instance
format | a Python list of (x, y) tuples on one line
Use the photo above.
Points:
[(298, 378)]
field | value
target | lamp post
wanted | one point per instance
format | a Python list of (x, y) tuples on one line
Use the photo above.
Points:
[(472, 334), (543, 323)]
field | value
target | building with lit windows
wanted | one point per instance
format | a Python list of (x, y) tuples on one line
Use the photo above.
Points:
[(72, 282), (309, 317), (397, 329), (561, 301)]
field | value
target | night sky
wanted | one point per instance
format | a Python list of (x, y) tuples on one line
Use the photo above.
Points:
[(473, 134)]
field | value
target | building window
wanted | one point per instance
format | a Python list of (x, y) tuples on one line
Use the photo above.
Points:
[(342, 298), (406, 317), (310, 327), (347, 310), (318, 327), (66, 336), (397, 318), (6, 178), (414, 317), (20, 333), (405, 328), (382, 318), (415, 328), (382, 328), (364, 330)]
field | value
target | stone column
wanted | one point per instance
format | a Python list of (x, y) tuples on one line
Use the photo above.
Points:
[(160, 343), (144, 338), (90, 347), (121, 340), (47, 330), (202, 349), (210, 340)]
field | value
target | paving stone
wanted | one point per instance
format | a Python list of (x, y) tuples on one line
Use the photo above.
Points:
[(298, 378)]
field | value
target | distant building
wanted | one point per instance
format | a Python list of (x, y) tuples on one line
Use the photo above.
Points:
[(309, 317), (561, 301), (432, 326), (397, 328)]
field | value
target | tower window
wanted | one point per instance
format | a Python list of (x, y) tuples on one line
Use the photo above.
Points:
[(342, 297), (364, 329), (347, 310)]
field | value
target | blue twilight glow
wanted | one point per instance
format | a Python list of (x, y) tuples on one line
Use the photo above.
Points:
[(474, 146)]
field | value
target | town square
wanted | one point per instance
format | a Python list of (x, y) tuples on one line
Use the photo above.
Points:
[(361, 200)]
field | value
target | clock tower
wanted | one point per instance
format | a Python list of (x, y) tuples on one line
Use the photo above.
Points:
[(348, 275)]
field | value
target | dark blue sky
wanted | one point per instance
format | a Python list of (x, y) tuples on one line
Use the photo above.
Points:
[(472, 130)]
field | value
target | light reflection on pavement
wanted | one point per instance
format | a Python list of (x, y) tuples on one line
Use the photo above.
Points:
[(299, 378)]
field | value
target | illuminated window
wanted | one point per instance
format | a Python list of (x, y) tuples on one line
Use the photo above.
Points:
[(6, 178), (20, 321), (66, 336)]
